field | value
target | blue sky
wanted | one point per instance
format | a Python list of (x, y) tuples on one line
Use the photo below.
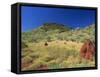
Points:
[(33, 17)]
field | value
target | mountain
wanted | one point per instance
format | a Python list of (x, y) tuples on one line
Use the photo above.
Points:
[(54, 26), (55, 31)]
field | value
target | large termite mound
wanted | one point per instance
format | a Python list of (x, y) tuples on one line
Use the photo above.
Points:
[(87, 50)]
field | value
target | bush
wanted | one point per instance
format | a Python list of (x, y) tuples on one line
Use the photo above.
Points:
[(26, 59), (24, 45)]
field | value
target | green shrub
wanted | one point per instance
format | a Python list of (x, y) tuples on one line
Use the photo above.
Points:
[(24, 45)]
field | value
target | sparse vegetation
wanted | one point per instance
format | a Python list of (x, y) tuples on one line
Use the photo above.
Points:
[(53, 46)]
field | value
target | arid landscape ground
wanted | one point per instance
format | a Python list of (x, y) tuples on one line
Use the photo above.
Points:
[(54, 46)]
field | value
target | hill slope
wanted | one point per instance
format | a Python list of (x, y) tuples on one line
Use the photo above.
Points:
[(54, 46), (54, 31)]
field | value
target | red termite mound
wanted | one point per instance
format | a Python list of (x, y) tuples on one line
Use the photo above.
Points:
[(87, 50)]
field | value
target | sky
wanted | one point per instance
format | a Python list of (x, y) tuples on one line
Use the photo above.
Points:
[(33, 17)]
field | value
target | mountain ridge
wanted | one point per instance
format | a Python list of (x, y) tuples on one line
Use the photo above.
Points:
[(54, 31)]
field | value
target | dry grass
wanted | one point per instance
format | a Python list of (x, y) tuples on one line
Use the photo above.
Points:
[(58, 54)]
